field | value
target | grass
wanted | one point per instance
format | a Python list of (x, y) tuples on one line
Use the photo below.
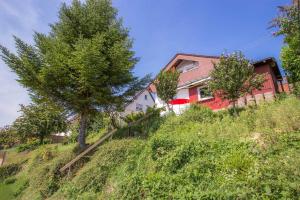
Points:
[(198, 155)]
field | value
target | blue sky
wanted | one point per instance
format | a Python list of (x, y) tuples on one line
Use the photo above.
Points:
[(160, 29)]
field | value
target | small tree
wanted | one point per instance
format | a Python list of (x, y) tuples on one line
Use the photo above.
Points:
[(8, 137), (233, 76), (39, 120), (85, 64), (287, 24), (166, 85)]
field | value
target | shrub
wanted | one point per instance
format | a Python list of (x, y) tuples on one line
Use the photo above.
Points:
[(279, 117), (91, 180), (9, 170), (198, 113), (8, 137), (161, 146), (43, 171), (220, 157), (10, 180), (31, 145)]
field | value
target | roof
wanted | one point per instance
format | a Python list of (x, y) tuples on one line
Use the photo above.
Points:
[(202, 73), (274, 66), (188, 54), (138, 94)]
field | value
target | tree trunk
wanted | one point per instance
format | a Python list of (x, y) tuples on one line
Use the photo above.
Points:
[(170, 109), (235, 113), (255, 102), (82, 130), (41, 139)]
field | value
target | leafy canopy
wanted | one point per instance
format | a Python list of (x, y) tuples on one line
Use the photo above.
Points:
[(234, 77), (287, 23), (40, 120), (84, 64), (166, 85)]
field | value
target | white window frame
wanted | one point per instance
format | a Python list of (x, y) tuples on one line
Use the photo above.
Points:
[(183, 69), (139, 107), (199, 94)]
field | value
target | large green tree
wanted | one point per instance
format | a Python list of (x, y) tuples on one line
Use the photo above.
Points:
[(84, 64), (287, 24), (39, 120), (166, 85), (233, 77)]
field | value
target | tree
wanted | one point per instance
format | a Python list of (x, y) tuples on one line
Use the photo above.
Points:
[(8, 137), (287, 24), (166, 85), (84, 64), (233, 77), (39, 121)]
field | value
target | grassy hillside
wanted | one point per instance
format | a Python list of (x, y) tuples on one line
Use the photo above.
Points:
[(198, 155)]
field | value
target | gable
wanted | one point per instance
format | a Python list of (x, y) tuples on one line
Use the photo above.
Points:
[(192, 67), (195, 68)]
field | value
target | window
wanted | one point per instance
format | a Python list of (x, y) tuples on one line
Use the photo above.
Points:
[(187, 66), (139, 107), (204, 93), (146, 97)]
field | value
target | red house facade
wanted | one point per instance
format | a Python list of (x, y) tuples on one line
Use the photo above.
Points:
[(194, 75)]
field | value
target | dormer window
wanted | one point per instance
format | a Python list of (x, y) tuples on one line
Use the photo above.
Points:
[(204, 93), (139, 107), (186, 65)]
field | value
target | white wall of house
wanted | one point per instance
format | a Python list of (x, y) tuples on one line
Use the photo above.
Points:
[(140, 104), (178, 109), (181, 94)]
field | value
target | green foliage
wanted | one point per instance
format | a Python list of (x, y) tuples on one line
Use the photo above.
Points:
[(222, 158), (98, 122), (133, 117), (296, 88), (9, 170), (84, 64), (234, 77), (166, 85), (8, 137), (288, 25), (90, 181), (291, 63), (42, 171), (197, 155), (198, 113), (31, 145), (39, 120), (148, 125)]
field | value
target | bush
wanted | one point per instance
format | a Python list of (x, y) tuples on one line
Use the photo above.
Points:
[(144, 128), (91, 180), (198, 155), (203, 155), (8, 137), (198, 113), (279, 117), (9, 170), (31, 145), (10, 181), (44, 171), (161, 146)]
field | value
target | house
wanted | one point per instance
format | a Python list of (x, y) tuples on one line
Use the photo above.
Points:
[(141, 102), (194, 76)]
